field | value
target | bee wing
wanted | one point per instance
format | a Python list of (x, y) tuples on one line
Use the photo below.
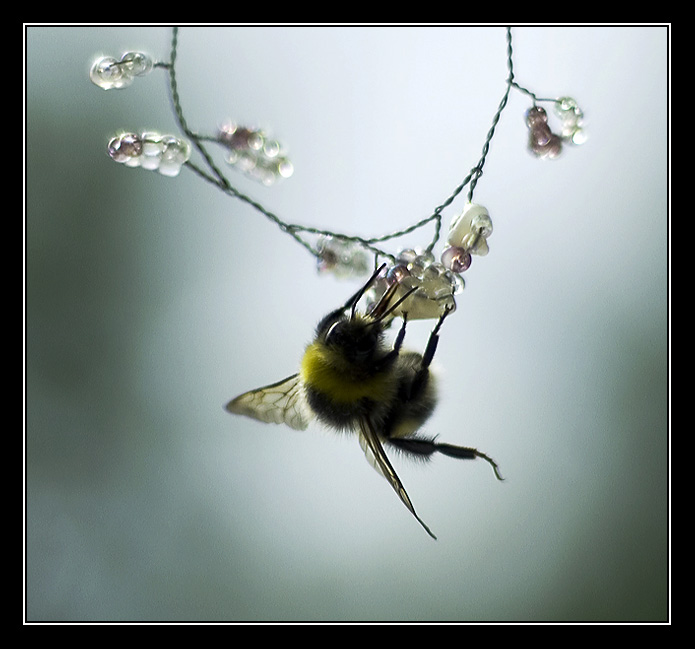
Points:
[(278, 403), (371, 445)]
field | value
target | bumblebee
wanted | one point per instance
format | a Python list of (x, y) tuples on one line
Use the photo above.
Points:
[(350, 381)]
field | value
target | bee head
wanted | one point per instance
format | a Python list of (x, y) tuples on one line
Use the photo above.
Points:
[(354, 337), (357, 335)]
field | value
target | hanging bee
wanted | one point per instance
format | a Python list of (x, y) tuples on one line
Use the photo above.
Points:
[(349, 380)]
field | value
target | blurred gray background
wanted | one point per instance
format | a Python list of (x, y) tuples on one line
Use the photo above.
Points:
[(151, 301)]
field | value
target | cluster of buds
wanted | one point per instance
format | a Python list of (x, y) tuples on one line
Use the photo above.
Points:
[(342, 257), (438, 281), (572, 118), (250, 151), (417, 269), (109, 73), (468, 235), (542, 141), (149, 150), (436, 285)]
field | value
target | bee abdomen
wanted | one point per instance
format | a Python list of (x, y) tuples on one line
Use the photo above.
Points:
[(342, 415)]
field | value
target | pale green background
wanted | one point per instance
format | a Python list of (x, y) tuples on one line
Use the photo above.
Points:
[(151, 301)]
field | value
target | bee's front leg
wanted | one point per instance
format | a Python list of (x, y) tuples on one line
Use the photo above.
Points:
[(434, 339)]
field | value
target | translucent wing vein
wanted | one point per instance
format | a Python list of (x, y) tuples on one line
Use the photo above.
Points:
[(377, 457), (279, 403)]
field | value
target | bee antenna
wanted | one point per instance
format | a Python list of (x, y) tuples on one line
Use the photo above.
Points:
[(352, 302)]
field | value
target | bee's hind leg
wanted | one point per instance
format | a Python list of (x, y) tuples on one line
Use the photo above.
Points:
[(425, 448), (467, 453)]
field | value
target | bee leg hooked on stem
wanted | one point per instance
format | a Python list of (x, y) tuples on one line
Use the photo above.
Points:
[(398, 343), (434, 339), (422, 376)]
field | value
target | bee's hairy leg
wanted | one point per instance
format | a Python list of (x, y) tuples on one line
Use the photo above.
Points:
[(433, 340), (467, 453), (422, 375), (424, 447), (398, 343)]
